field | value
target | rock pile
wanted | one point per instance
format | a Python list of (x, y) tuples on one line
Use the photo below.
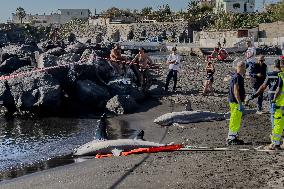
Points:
[(62, 78)]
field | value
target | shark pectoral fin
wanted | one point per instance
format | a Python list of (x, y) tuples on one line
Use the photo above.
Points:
[(116, 152), (140, 135)]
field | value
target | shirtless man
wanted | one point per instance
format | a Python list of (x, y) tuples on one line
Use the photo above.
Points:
[(116, 58), (143, 61)]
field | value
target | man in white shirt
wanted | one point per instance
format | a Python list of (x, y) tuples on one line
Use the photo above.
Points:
[(250, 54), (173, 61)]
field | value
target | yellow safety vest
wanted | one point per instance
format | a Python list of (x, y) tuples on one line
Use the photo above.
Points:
[(280, 98)]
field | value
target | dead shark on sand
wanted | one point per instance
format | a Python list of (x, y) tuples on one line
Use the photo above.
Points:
[(189, 117), (185, 117), (101, 144)]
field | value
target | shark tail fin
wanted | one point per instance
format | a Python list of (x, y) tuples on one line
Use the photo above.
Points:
[(139, 135)]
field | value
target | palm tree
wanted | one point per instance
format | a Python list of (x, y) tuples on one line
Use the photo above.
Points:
[(21, 13)]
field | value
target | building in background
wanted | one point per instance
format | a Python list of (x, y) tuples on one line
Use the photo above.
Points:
[(61, 17), (207, 2), (235, 6)]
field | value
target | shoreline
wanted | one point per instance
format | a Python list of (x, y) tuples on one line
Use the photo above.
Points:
[(171, 169)]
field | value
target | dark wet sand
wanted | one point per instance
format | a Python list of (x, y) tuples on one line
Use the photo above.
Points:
[(229, 169)]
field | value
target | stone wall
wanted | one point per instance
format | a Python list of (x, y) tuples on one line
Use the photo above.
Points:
[(271, 30), (173, 31), (233, 37)]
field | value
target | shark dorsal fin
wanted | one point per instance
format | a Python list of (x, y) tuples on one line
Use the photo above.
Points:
[(101, 133), (140, 135)]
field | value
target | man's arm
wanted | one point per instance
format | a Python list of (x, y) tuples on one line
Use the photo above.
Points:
[(135, 59), (150, 61), (236, 93), (278, 90), (260, 90), (169, 61)]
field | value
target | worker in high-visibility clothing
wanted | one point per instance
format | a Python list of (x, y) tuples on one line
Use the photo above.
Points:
[(236, 99), (279, 113)]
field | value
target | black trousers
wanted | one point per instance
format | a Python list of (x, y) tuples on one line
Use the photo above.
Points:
[(171, 74), (137, 74), (255, 85)]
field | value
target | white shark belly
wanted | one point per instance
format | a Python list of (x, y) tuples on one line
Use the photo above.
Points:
[(106, 147)]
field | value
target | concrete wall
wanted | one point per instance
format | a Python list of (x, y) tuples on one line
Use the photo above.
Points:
[(271, 30), (211, 38), (64, 16), (67, 15)]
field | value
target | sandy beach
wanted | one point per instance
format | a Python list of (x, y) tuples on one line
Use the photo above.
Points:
[(212, 169)]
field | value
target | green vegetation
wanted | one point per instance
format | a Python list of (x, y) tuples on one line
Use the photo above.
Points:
[(224, 20), (201, 17)]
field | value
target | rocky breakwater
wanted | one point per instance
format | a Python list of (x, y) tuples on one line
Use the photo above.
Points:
[(58, 80)]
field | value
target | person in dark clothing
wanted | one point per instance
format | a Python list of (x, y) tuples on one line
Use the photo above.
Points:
[(271, 82), (210, 70), (236, 99), (258, 75)]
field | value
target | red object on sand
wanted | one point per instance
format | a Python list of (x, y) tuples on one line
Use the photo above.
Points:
[(145, 150), (153, 149), (282, 57)]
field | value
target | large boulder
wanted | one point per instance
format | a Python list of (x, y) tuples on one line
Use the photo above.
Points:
[(6, 97), (47, 60), (90, 93), (58, 51), (120, 86), (21, 50), (155, 90), (35, 91), (12, 64), (122, 104), (77, 48), (68, 58)]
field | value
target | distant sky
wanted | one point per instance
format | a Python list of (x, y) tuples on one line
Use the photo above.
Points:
[(7, 7)]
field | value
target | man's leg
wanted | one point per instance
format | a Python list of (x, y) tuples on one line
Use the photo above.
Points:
[(137, 74), (272, 112), (259, 102), (175, 79), (169, 77), (235, 122), (278, 127)]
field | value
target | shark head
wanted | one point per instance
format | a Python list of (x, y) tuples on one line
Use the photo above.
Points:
[(101, 133)]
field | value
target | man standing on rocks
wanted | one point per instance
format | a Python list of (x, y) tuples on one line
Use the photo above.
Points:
[(236, 99), (271, 82), (173, 61), (257, 74), (279, 111)]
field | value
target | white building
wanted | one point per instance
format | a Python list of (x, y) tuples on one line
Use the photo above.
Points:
[(207, 2), (61, 17), (235, 6)]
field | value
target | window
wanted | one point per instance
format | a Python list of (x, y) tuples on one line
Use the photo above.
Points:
[(236, 6), (68, 13), (81, 13)]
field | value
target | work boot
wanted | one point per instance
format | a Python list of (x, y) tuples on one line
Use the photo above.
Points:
[(272, 147), (235, 141), (282, 146)]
